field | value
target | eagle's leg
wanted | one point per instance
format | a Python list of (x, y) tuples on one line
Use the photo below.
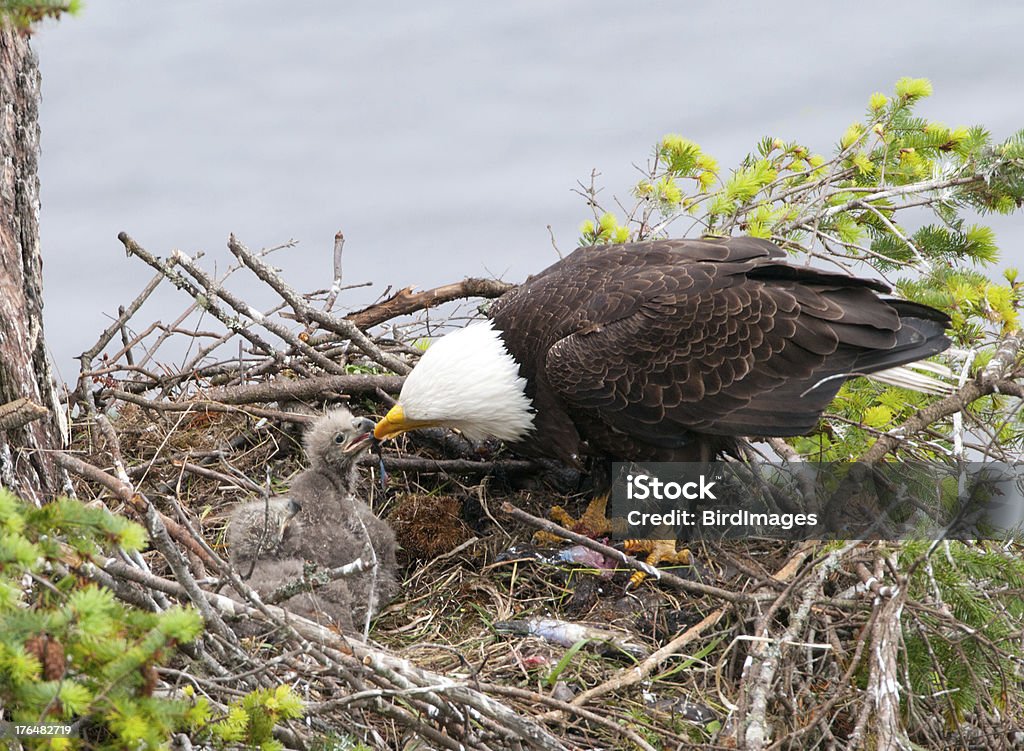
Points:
[(594, 522), (655, 552)]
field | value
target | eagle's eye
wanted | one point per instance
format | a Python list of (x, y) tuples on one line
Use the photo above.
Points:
[(339, 438)]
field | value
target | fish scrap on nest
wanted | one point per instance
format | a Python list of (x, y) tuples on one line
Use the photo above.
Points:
[(566, 634), (577, 555)]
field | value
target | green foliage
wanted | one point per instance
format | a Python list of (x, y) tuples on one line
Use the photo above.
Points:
[(980, 585), (24, 13), (70, 650), (909, 89), (563, 663), (782, 186), (251, 719), (606, 230)]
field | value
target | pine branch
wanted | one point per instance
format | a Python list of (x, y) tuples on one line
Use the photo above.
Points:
[(991, 381)]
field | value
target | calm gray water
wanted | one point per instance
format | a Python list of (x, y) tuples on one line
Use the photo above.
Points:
[(443, 138)]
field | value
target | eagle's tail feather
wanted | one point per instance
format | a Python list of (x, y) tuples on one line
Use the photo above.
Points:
[(910, 377), (922, 334)]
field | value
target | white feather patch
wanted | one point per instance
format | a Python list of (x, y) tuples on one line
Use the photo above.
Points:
[(910, 377), (468, 380)]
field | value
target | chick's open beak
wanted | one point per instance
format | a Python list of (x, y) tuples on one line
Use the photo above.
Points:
[(395, 422), (364, 435)]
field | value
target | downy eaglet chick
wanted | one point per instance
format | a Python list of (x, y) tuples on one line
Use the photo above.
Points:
[(255, 533), (335, 527)]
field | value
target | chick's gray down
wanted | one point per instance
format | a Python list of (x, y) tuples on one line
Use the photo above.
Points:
[(337, 526), (323, 521), (255, 534)]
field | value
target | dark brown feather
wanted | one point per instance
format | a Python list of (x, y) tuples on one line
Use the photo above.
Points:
[(650, 350)]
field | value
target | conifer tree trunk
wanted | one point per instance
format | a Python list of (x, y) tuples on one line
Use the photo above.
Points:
[(25, 466)]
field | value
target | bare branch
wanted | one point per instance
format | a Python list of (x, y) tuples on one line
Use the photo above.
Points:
[(118, 325), (990, 382), (405, 301), (179, 281), (307, 312), (242, 308), (317, 387)]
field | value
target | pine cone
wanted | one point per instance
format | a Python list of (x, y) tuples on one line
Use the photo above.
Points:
[(50, 654)]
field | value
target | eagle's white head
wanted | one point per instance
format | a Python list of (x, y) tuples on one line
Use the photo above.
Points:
[(466, 380)]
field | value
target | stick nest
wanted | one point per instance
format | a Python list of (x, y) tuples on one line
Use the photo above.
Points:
[(758, 644)]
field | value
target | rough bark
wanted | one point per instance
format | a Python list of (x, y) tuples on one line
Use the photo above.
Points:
[(25, 466)]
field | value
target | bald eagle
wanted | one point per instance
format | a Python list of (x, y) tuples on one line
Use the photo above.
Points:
[(668, 350)]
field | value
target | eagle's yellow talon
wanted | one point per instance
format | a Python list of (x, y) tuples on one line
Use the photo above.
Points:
[(655, 552), (593, 523), (595, 519), (559, 515)]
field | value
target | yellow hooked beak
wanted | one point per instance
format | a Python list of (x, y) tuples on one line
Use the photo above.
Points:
[(395, 422)]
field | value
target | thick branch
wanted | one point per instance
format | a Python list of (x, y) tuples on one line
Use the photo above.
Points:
[(306, 388), (200, 406), (405, 301), (19, 413), (766, 653), (990, 381), (900, 190), (26, 466)]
